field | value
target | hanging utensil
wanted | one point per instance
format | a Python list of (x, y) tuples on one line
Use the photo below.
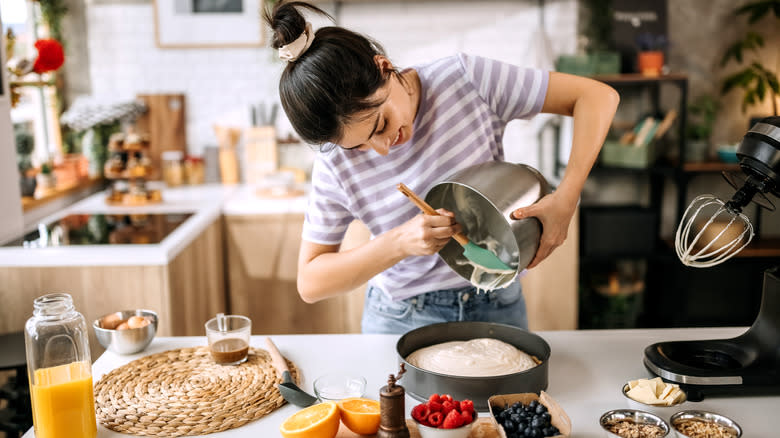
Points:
[(289, 390), (476, 254)]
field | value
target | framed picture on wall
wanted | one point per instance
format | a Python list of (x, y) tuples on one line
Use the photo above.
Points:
[(208, 23)]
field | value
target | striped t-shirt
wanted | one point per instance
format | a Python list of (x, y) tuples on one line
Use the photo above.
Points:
[(465, 104)]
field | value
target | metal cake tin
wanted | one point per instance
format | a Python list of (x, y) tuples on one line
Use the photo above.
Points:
[(420, 384)]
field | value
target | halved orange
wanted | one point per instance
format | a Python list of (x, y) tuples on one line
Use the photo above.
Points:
[(360, 415), (317, 421)]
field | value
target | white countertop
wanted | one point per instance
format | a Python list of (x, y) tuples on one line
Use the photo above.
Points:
[(206, 202), (586, 372)]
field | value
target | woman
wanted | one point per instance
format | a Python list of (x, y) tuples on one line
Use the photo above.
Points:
[(378, 126)]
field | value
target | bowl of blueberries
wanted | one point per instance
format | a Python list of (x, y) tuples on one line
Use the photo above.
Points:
[(529, 415)]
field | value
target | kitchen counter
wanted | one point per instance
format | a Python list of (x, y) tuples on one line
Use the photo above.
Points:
[(587, 370), (206, 202)]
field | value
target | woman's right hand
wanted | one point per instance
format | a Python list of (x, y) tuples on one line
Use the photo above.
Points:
[(427, 234)]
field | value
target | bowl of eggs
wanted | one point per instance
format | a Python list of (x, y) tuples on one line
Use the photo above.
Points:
[(126, 332)]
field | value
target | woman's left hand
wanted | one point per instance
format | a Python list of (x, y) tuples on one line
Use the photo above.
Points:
[(554, 213)]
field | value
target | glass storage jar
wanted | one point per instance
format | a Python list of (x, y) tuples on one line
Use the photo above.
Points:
[(194, 172), (60, 369), (173, 170)]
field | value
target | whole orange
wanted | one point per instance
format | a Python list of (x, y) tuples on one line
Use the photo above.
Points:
[(360, 415), (317, 421)]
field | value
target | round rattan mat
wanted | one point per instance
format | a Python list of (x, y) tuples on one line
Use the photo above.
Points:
[(183, 393)]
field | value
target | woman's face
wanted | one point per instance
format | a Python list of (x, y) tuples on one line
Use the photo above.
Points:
[(388, 125)]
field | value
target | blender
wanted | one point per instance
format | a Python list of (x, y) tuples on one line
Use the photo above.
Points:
[(712, 231)]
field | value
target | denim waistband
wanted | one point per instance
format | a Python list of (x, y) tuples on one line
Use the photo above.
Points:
[(452, 297)]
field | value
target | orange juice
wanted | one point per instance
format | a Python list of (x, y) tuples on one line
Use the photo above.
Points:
[(63, 402)]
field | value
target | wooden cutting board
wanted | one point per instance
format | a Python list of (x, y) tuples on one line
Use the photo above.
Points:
[(165, 122), (483, 428)]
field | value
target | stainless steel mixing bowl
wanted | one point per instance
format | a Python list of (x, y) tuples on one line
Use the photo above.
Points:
[(420, 383), (482, 198), (128, 341), (634, 416)]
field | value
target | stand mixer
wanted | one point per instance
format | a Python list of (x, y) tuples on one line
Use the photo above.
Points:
[(710, 232)]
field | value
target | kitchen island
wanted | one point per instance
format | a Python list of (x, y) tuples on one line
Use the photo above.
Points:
[(587, 370)]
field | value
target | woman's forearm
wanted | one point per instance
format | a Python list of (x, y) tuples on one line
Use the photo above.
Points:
[(323, 274)]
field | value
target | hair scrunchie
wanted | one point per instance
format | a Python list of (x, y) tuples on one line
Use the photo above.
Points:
[(294, 50)]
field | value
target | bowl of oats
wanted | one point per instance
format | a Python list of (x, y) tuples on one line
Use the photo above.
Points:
[(633, 423), (701, 424)]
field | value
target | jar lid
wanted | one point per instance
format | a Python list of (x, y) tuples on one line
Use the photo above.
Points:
[(172, 155)]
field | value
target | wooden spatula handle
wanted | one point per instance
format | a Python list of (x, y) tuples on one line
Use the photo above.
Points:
[(427, 209), (276, 357)]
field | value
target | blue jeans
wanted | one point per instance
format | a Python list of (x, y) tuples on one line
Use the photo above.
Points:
[(383, 315)]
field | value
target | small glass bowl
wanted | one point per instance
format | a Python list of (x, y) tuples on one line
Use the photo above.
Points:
[(338, 386)]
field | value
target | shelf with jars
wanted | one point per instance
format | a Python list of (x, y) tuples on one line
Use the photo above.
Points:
[(129, 168)]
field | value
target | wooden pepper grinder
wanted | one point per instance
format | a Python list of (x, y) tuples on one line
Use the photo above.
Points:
[(392, 422)]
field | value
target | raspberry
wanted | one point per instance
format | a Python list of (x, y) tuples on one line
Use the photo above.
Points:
[(446, 397), (434, 398), (452, 420), (421, 412), (446, 407), (434, 406), (466, 417), (456, 404), (435, 419), (467, 406)]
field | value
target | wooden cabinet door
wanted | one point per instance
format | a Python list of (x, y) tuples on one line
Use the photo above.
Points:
[(262, 260)]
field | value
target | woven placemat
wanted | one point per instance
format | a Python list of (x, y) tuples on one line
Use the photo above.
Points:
[(183, 393)]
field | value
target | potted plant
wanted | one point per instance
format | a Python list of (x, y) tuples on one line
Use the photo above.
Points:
[(650, 59), (600, 56), (701, 119), (755, 79), (45, 178), (24, 149)]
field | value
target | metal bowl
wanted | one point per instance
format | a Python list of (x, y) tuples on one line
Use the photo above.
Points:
[(636, 416), (128, 341), (482, 197), (704, 416), (420, 383)]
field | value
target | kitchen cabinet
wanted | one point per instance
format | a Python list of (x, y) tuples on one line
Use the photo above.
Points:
[(184, 292), (262, 266)]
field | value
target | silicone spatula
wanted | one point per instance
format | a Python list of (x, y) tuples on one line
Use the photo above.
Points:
[(471, 251)]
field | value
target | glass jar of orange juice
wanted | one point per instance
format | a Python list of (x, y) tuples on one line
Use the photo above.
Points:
[(60, 369)]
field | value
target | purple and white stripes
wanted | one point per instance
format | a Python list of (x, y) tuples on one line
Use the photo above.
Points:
[(465, 104)]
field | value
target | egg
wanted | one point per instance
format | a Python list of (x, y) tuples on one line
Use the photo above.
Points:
[(111, 321), (137, 322), (122, 326)]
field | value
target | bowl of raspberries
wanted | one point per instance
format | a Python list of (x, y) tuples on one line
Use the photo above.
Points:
[(529, 415), (443, 417)]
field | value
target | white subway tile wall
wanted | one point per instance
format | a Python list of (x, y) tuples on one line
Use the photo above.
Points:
[(220, 84)]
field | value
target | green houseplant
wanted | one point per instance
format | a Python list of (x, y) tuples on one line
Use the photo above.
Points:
[(755, 79), (600, 56), (702, 112), (25, 143)]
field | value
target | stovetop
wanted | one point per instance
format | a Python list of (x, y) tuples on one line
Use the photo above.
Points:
[(103, 229)]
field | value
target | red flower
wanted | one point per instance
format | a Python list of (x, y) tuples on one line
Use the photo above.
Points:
[(50, 56)]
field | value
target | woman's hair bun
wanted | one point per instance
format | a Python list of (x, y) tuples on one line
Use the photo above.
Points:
[(287, 22)]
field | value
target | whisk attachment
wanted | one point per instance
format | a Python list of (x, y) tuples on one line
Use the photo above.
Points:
[(711, 231)]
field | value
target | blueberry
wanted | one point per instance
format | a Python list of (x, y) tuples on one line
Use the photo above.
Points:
[(545, 416), (554, 431), (528, 431), (522, 425), (509, 425), (540, 408), (536, 433), (537, 423), (533, 404)]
